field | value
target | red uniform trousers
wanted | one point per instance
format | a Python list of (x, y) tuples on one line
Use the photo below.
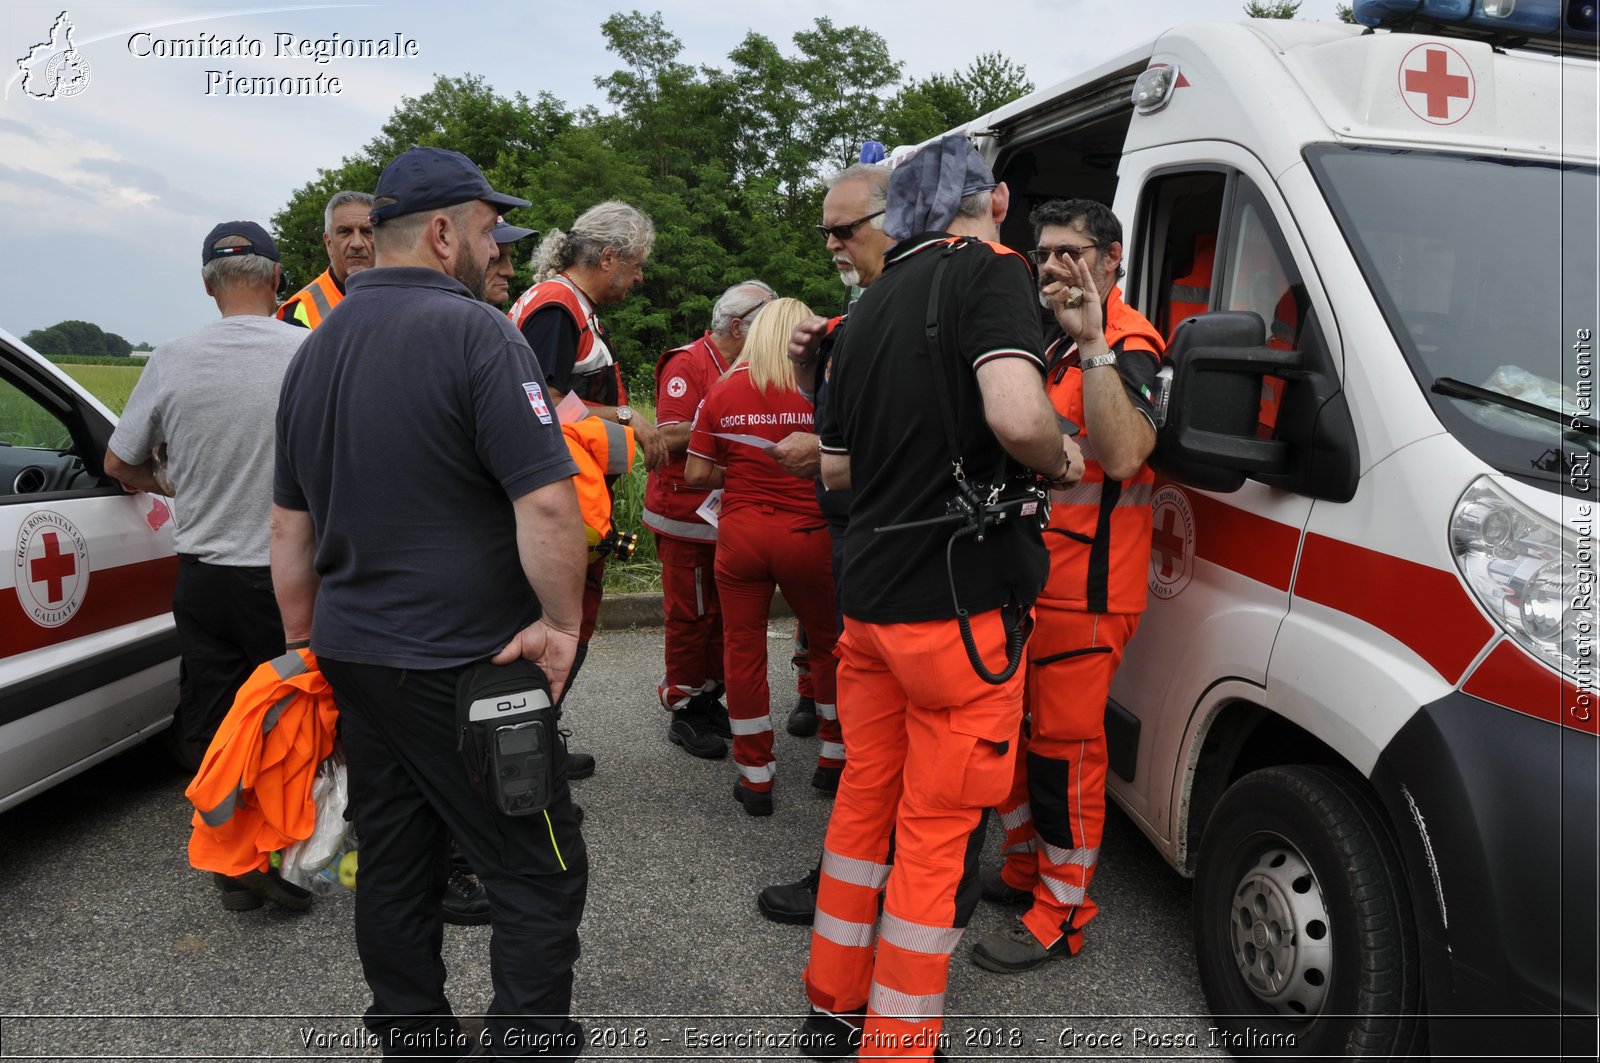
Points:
[(759, 547), (931, 746), (1056, 812), (693, 628)]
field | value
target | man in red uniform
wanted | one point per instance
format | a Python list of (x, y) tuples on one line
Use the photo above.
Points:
[(347, 236), (1101, 376), (931, 742), (685, 543), (596, 263)]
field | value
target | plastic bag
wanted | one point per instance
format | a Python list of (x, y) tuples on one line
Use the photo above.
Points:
[(303, 860)]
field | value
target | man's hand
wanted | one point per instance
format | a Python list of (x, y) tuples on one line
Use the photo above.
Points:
[(551, 648), (806, 339), (1074, 465), (651, 445), (1065, 281), (797, 455)]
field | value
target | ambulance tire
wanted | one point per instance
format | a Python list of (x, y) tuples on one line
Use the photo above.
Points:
[(1301, 908)]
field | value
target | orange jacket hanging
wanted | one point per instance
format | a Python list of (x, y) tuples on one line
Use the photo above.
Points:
[(600, 448), (252, 795)]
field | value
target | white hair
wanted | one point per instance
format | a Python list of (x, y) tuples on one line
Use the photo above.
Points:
[(734, 303), (613, 224), (239, 271)]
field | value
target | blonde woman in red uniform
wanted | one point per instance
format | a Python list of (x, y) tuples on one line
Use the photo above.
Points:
[(770, 531)]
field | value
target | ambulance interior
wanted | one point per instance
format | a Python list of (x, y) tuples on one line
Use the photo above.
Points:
[(36, 445)]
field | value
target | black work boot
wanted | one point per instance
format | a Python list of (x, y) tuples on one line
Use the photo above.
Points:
[(714, 712), (696, 733), (465, 901), (792, 902), (803, 718)]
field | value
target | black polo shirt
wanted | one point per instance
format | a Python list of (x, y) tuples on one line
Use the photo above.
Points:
[(408, 423), (883, 411)]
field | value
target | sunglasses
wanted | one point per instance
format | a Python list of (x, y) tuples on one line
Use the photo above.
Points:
[(848, 229), (1041, 255)]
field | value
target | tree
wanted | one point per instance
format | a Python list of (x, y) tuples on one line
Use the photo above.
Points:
[(463, 114), (1288, 9), (1345, 13), (727, 160), (941, 102), (80, 338)]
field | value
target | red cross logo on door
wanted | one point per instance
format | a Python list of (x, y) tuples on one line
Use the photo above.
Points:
[(1167, 545), (1171, 542), (1436, 83), (51, 568)]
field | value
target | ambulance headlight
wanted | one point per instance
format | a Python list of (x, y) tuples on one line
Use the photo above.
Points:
[(1153, 88), (1527, 573)]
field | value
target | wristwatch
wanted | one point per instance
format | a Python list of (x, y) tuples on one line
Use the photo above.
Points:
[(624, 415), (1109, 358)]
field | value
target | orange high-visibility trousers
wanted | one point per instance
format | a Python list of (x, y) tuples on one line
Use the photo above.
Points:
[(1056, 812), (930, 746), (758, 548)]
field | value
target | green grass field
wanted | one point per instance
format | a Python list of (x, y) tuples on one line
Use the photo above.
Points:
[(111, 384)]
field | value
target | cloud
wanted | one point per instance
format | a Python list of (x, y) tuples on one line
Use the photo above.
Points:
[(80, 170)]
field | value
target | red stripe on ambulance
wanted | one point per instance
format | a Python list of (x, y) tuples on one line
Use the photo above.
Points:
[(1508, 677), (116, 596), (1425, 608), (1243, 542)]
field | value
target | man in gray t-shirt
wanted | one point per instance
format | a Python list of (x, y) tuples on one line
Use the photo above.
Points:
[(199, 426)]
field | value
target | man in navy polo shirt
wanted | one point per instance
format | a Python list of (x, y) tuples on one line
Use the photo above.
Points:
[(424, 520)]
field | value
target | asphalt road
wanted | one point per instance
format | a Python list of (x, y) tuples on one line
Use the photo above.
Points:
[(111, 946)]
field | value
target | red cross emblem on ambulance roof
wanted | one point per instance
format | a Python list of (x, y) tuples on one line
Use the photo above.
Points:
[(1436, 83)]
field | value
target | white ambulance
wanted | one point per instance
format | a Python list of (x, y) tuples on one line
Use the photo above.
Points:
[(1360, 711), (88, 654)]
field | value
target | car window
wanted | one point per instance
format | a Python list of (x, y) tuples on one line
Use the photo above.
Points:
[(37, 454), (25, 423)]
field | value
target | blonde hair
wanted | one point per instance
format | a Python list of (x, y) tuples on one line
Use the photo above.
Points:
[(766, 351)]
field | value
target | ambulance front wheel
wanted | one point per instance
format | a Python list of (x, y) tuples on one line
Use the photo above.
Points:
[(1303, 928)]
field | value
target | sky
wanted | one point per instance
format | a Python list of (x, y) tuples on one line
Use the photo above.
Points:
[(105, 194)]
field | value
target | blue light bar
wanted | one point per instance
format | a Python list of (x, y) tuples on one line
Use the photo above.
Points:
[(1548, 20)]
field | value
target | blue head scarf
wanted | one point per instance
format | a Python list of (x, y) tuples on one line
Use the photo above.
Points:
[(926, 190)]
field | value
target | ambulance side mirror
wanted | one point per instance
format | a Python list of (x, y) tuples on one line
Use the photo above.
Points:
[(1209, 438)]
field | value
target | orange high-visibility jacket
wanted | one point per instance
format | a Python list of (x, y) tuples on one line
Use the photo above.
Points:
[(601, 448), (312, 303), (1191, 293), (1099, 533), (252, 795)]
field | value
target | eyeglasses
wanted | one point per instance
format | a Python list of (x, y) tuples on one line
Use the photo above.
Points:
[(745, 315), (848, 229), (1041, 255)]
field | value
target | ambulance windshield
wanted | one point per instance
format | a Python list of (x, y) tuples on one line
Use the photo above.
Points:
[(1485, 271)]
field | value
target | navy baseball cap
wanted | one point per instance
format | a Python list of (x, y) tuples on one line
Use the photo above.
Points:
[(506, 233), (257, 242), (431, 179)]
